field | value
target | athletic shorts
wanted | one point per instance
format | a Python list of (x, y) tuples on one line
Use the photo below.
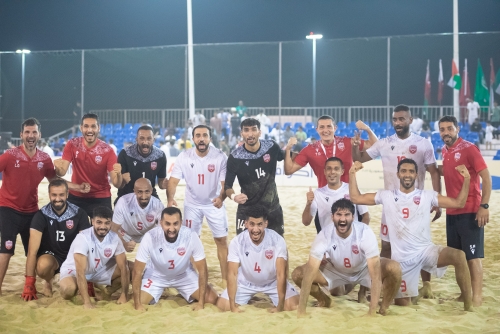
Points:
[(186, 284), (463, 233), (427, 260), (12, 223), (88, 204), (274, 220), (216, 219), (59, 259), (336, 278), (102, 277), (384, 232), (246, 290)]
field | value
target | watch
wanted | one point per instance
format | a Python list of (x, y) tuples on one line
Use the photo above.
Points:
[(486, 206)]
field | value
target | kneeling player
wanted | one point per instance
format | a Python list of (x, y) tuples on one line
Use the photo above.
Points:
[(96, 256), (167, 250), (257, 262), (353, 259), (53, 229)]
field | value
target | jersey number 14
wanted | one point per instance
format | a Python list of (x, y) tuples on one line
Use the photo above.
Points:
[(260, 172)]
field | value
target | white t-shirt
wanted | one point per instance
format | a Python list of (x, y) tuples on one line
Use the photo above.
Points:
[(98, 253), (473, 108), (257, 262), (324, 198), (393, 149), (170, 261), (416, 125), (265, 122), (134, 220), (408, 220), (203, 175), (348, 256)]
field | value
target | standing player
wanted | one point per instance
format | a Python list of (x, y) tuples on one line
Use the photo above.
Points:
[(96, 256), (204, 169), (91, 159), (142, 160), (53, 229), (408, 218), (465, 227), (353, 259), (320, 201), (167, 250), (254, 163), (257, 263), (136, 213), (23, 168)]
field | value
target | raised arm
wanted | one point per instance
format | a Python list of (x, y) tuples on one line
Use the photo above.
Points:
[(61, 166), (290, 165), (310, 271), (376, 277), (372, 138), (459, 202), (357, 155), (116, 175), (356, 196), (306, 214), (171, 187)]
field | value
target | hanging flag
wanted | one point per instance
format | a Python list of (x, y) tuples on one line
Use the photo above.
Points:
[(465, 89), (440, 83), (455, 80), (481, 93), (492, 85), (497, 83), (427, 90)]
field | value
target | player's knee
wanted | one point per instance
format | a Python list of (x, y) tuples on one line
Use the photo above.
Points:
[(393, 269), (458, 257), (221, 242), (67, 292), (297, 275)]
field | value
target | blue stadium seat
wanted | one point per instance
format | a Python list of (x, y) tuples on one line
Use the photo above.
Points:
[(352, 125), (287, 124), (473, 137), (349, 132), (375, 125), (342, 133), (315, 135), (391, 132), (117, 126), (466, 126), (483, 125), (386, 124), (275, 123), (496, 157), (364, 135), (341, 125), (296, 126), (424, 134), (380, 132), (309, 125), (436, 136), (431, 125)]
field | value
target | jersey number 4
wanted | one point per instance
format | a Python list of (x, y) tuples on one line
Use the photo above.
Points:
[(257, 268)]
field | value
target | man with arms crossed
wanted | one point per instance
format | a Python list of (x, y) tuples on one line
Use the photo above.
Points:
[(53, 229), (168, 250), (465, 227), (204, 169), (353, 259), (91, 159), (96, 256), (408, 218), (257, 262)]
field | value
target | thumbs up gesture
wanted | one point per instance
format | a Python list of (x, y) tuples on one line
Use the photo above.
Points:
[(310, 196)]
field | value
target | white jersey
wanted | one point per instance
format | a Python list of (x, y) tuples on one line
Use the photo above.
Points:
[(134, 220), (348, 256), (325, 197), (203, 175), (170, 261), (393, 149), (98, 253), (408, 220), (257, 262)]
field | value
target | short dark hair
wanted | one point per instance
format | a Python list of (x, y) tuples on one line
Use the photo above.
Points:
[(401, 107), (255, 211), (408, 161), (57, 183), (90, 115), (202, 126), (325, 117), (171, 210), (342, 204), (32, 121), (146, 127), (335, 159), (250, 122), (102, 212), (449, 118)]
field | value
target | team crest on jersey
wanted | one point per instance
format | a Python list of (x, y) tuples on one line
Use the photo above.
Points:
[(355, 249), (181, 251), (107, 252), (98, 159), (39, 165), (8, 244), (153, 165), (150, 217), (69, 224), (211, 168), (267, 158), (457, 156), (341, 146), (346, 196), (413, 149), (416, 200), (269, 254)]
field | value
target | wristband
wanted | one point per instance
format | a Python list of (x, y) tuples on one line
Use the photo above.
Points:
[(233, 196)]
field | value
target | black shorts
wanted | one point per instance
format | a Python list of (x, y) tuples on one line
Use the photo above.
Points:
[(274, 220), (88, 203), (12, 223), (57, 258), (463, 233)]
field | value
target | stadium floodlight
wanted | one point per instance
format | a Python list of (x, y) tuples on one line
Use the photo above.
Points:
[(314, 37), (23, 51)]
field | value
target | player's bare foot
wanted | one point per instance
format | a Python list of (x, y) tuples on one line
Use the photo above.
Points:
[(47, 289), (468, 307), (426, 291), (476, 302), (362, 295), (459, 298)]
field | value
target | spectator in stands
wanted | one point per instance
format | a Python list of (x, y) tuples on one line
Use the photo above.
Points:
[(488, 137), (170, 131), (416, 125), (223, 147), (477, 127), (165, 147), (184, 142), (265, 123), (244, 117), (495, 115), (472, 111), (113, 146), (235, 124), (301, 136), (276, 133), (189, 129), (241, 109), (224, 116), (216, 124), (198, 119), (173, 150), (426, 130), (287, 134), (47, 149)]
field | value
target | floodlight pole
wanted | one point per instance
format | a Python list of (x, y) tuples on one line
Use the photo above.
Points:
[(314, 37), (190, 59), (23, 54), (456, 100)]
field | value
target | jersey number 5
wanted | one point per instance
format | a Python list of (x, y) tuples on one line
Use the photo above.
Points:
[(140, 225)]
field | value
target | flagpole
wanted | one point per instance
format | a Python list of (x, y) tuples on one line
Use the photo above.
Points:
[(456, 93)]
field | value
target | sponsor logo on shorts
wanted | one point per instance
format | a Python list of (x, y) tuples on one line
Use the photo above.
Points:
[(211, 168), (69, 224), (355, 249), (457, 156), (39, 165), (153, 165), (413, 149), (341, 146), (472, 248), (181, 251), (107, 252), (150, 217), (269, 254), (346, 196), (267, 158), (8, 244), (49, 253), (98, 159), (416, 200)]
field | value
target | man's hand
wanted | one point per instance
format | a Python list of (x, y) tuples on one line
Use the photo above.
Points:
[(140, 308), (362, 126), (197, 307), (84, 188), (291, 142), (310, 195), (126, 177), (241, 198), (463, 171), (171, 203), (130, 246), (273, 310), (58, 164), (217, 202), (236, 309), (438, 211), (356, 140), (29, 291), (122, 299), (482, 216), (356, 167), (117, 168), (88, 306)]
